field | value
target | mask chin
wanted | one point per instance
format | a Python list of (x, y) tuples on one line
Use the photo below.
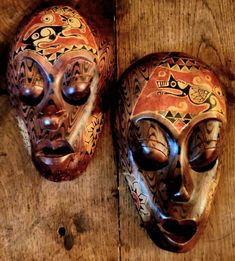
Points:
[(55, 168)]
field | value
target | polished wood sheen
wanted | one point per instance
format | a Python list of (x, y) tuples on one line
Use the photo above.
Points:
[(59, 66), (169, 123), (44, 220), (158, 26), (97, 227)]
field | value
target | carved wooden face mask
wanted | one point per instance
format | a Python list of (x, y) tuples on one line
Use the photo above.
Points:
[(169, 122), (58, 68)]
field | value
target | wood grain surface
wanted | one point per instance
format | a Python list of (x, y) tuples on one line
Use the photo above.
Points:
[(43, 220), (204, 29), (85, 219)]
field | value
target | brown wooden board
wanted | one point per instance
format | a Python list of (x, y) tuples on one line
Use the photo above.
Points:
[(204, 29), (43, 220), (33, 209)]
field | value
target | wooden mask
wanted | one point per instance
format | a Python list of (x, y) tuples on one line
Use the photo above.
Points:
[(58, 68), (169, 122)]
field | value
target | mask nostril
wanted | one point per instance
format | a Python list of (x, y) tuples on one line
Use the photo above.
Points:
[(178, 165), (175, 186), (51, 102), (182, 195), (50, 108)]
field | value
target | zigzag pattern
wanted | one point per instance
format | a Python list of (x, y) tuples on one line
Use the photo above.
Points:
[(183, 64), (176, 116)]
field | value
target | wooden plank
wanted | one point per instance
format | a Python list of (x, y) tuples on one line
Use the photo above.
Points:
[(42, 220), (204, 29), (33, 209)]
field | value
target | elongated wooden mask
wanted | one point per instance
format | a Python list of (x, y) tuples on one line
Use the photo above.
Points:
[(169, 122), (58, 68)]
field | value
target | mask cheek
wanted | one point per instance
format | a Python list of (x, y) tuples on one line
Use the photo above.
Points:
[(86, 138), (24, 133), (92, 131), (205, 185)]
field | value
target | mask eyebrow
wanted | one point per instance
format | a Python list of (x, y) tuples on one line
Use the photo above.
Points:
[(29, 69), (44, 66)]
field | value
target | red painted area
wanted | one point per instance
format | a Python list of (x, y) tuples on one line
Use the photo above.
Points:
[(75, 31), (159, 96), (136, 199)]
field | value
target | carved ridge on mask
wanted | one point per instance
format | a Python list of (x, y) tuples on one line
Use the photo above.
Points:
[(169, 118)]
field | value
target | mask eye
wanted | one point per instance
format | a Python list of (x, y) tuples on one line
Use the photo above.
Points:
[(76, 82), (31, 83), (204, 145), (74, 22), (149, 145)]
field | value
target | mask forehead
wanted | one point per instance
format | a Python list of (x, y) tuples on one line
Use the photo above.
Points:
[(55, 31), (180, 89)]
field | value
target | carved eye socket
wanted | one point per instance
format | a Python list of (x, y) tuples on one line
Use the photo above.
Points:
[(204, 144), (77, 93), (31, 83), (77, 81), (148, 142)]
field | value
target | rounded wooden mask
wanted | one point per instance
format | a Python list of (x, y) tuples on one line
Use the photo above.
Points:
[(58, 68), (169, 123)]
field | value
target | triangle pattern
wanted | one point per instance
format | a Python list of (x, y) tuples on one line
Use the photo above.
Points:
[(169, 115), (178, 116), (176, 67), (188, 116), (193, 69), (185, 69), (185, 60), (186, 121), (175, 59), (52, 57), (181, 62), (171, 120)]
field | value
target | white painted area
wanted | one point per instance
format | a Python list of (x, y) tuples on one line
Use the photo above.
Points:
[(24, 134)]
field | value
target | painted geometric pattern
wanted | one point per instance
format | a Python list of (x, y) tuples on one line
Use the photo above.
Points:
[(177, 118), (182, 64)]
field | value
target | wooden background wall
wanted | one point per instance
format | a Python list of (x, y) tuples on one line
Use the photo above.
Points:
[(100, 223)]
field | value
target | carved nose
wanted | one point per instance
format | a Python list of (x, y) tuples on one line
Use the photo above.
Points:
[(177, 188), (50, 123), (50, 108), (49, 116)]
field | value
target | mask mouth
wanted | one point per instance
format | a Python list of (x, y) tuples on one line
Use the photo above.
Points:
[(54, 149), (179, 231)]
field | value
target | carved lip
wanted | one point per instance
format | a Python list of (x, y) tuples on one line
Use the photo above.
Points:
[(53, 149), (179, 231)]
